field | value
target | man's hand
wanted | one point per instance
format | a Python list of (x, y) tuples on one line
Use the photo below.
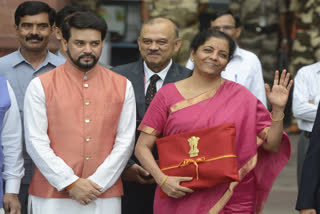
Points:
[(85, 191), (137, 174), (308, 211), (11, 203)]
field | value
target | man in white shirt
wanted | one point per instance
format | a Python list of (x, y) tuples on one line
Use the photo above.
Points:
[(11, 160), (245, 67), (306, 96)]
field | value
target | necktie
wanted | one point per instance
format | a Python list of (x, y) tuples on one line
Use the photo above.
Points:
[(152, 89)]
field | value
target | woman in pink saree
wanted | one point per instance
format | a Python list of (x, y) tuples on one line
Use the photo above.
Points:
[(206, 100)]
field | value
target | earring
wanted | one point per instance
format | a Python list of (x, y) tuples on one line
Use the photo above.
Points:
[(192, 60)]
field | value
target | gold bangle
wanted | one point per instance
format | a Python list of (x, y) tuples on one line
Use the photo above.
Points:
[(163, 180), (278, 119)]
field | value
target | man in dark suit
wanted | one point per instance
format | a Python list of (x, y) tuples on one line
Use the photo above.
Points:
[(309, 190), (158, 41)]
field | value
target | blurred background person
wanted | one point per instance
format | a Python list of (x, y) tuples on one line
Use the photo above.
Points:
[(304, 63), (263, 23), (306, 97)]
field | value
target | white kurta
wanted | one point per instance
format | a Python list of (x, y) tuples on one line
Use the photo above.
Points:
[(38, 144)]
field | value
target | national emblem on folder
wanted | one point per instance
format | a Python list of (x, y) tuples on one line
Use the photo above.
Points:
[(208, 155)]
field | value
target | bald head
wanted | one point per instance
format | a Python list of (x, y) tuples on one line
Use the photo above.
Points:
[(165, 21)]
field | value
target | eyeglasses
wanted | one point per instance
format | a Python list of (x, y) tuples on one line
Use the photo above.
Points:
[(223, 28)]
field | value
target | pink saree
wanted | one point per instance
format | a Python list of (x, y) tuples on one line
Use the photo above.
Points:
[(170, 113)]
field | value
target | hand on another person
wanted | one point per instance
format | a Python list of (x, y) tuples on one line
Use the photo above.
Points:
[(137, 174), (84, 191), (278, 95), (308, 211), (11, 203), (171, 186)]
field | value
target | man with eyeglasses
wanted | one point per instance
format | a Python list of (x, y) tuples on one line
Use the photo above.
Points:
[(244, 67), (264, 22)]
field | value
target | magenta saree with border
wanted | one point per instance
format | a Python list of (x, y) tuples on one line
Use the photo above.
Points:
[(170, 113)]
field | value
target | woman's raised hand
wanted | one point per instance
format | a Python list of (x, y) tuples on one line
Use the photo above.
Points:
[(278, 95)]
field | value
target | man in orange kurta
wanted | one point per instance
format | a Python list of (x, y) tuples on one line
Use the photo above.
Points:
[(80, 125)]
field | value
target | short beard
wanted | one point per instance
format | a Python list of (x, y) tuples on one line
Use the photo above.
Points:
[(83, 66)]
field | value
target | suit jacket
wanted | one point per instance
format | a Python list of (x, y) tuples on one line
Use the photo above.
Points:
[(309, 189), (138, 198)]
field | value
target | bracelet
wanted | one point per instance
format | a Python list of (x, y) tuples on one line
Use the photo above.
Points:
[(278, 119), (71, 185), (163, 180)]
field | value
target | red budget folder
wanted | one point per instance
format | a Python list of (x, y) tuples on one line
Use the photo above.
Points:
[(208, 155)]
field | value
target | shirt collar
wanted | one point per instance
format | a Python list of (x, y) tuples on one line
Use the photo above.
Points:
[(162, 74), (19, 58), (237, 52), (318, 67), (49, 59), (60, 54)]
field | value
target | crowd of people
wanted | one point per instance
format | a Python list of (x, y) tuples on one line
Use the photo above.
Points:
[(191, 127)]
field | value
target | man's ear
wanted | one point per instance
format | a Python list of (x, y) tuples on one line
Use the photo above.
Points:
[(65, 45), (177, 44), (238, 32), (57, 32), (191, 56), (139, 42), (16, 27)]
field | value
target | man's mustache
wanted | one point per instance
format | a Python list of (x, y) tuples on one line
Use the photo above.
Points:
[(154, 52), (87, 54), (34, 36)]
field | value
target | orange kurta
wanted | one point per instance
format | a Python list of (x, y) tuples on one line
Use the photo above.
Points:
[(83, 115)]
